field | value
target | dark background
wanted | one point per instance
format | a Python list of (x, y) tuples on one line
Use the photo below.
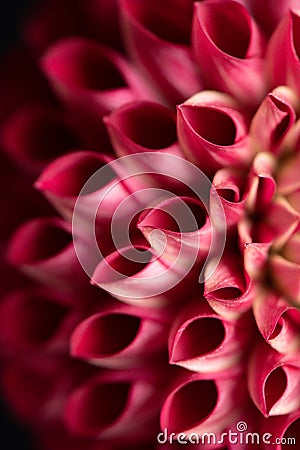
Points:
[(12, 435)]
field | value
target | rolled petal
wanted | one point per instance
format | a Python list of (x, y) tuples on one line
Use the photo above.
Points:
[(136, 276), (283, 65), (202, 341), (277, 321), (229, 49), (36, 134), (36, 320), (201, 403), (212, 132), (90, 79), (116, 337), (228, 184), (273, 381), (285, 428), (229, 291), (179, 231), (285, 275), (131, 128), (262, 185), (36, 388), (274, 117), (42, 248), (157, 38), (268, 14), (114, 404)]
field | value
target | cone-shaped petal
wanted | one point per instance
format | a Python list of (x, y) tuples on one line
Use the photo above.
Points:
[(114, 404), (117, 336), (284, 427), (178, 230), (228, 184), (131, 128), (273, 381), (202, 341), (229, 291), (273, 119), (198, 403), (42, 248), (35, 319), (36, 134), (283, 63), (157, 39), (212, 132), (229, 49), (277, 321)]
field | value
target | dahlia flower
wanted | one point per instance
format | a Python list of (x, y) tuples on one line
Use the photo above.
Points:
[(150, 240)]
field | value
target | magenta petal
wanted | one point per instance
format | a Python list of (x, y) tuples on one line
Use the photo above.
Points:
[(114, 404), (36, 319), (285, 274), (202, 341), (157, 38), (35, 134), (288, 182), (95, 339), (283, 427), (229, 49), (228, 184), (179, 231), (199, 403), (273, 119), (273, 381), (135, 276), (42, 248), (229, 291), (277, 321), (212, 132), (283, 63), (131, 128), (267, 16)]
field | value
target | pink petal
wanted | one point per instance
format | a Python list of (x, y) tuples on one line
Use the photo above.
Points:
[(268, 16), (90, 79), (202, 341), (135, 276), (96, 340), (36, 134), (131, 128), (179, 231), (128, 400), (35, 319), (277, 321), (273, 119), (273, 381), (36, 388), (283, 65), (212, 132), (157, 39), (286, 277), (288, 182), (285, 426), (261, 183), (228, 184), (229, 49), (229, 291), (199, 403), (42, 248)]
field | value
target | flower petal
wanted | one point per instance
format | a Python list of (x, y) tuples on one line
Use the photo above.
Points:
[(212, 132), (229, 49)]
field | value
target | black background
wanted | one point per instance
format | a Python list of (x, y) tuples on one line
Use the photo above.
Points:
[(12, 12)]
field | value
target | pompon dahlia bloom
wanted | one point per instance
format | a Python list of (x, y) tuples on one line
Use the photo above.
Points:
[(150, 237)]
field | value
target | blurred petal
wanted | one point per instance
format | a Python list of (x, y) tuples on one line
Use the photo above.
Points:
[(229, 49), (157, 39)]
